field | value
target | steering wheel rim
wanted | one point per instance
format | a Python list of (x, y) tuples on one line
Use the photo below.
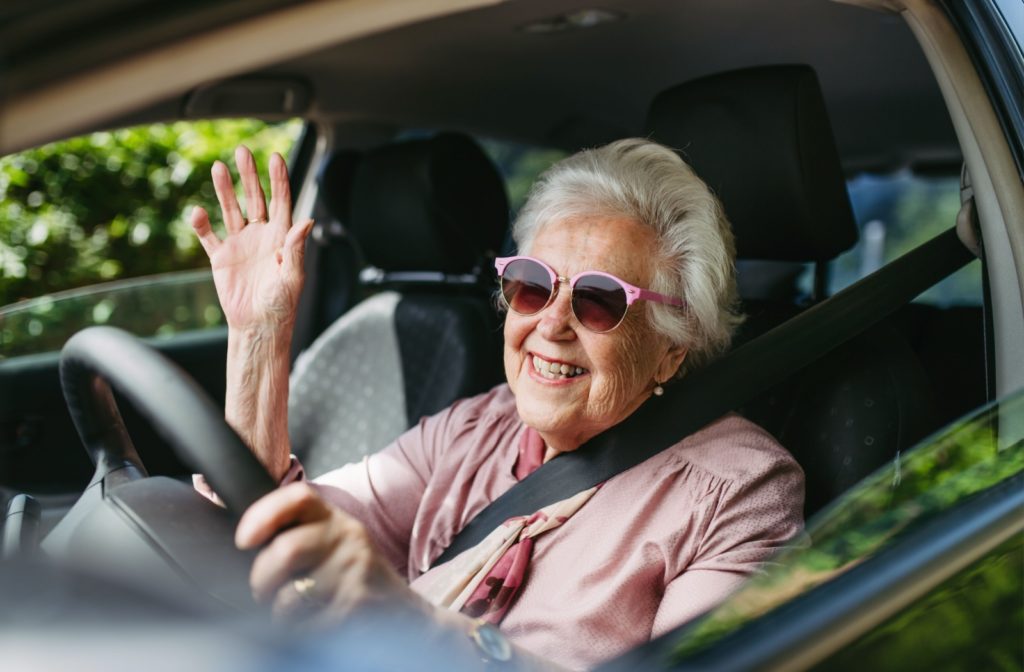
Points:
[(98, 359)]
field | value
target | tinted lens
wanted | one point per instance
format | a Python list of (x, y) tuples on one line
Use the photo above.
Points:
[(526, 286), (599, 303)]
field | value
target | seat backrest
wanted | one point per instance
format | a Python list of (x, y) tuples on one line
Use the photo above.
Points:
[(427, 334), (761, 139)]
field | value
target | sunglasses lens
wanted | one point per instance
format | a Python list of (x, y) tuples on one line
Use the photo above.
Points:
[(526, 286), (598, 302)]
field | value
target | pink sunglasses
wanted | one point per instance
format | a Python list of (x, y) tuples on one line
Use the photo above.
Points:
[(599, 300)]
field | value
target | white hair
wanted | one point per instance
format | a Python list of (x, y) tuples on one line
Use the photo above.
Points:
[(650, 184)]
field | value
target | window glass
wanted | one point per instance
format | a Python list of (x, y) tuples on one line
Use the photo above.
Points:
[(106, 207), (520, 165), (896, 212), (970, 456), (973, 620)]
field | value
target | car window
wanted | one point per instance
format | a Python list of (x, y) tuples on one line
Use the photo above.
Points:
[(519, 165), (83, 220), (896, 212), (973, 620), (967, 458)]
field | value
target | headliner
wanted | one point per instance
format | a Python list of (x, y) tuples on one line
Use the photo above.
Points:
[(477, 71)]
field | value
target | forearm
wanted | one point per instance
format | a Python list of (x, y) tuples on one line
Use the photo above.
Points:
[(256, 400)]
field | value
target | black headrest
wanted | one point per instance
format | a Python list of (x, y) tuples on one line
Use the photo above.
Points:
[(428, 205), (335, 182), (761, 139)]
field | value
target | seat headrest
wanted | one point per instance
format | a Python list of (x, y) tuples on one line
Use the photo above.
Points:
[(335, 182), (761, 139), (435, 204)]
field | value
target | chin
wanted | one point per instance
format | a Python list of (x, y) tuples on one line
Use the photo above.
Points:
[(541, 414)]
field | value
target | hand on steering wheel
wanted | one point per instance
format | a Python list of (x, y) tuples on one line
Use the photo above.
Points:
[(257, 268), (318, 564)]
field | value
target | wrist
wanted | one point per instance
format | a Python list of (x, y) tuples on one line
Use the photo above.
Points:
[(271, 338)]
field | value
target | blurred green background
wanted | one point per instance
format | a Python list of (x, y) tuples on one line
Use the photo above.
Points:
[(109, 206)]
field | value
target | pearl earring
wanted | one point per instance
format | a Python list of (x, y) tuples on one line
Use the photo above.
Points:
[(659, 390)]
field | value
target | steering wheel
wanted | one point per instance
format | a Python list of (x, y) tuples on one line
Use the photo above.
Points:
[(180, 411), (154, 526)]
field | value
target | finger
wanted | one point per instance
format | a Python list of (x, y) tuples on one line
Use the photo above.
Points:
[(225, 188), (294, 503), (201, 225), (292, 605), (295, 247), (292, 553), (255, 201), (280, 191)]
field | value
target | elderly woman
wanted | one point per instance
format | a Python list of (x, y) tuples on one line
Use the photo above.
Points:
[(625, 273)]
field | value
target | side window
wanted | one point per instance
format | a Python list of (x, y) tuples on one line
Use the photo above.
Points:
[(973, 620), (94, 230), (520, 165), (896, 212), (930, 481)]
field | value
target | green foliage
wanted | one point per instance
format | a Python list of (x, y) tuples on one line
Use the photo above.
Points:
[(520, 165), (114, 204), (907, 209), (111, 206), (945, 470), (973, 620), (159, 306)]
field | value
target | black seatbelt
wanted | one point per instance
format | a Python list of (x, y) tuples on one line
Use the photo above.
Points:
[(709, 393)]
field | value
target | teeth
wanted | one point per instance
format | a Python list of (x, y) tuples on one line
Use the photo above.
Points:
[(555, 371)]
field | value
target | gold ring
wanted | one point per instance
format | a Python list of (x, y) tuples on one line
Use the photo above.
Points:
[(304, 587), (257, 221)]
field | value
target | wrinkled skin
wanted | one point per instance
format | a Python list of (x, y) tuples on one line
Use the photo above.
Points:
[(257, 268), (622, 366), (259, 275)]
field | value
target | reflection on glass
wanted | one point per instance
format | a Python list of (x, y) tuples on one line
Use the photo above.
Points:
[(971, 455), (152, 306), (973, 620)]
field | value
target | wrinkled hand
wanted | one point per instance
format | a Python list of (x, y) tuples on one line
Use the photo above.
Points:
[(257, 268), (325, 548)]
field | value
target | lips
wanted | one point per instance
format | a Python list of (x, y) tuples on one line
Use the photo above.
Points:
[(554, 370)]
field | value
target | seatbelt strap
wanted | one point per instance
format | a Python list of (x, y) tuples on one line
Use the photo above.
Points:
[(709, 393)]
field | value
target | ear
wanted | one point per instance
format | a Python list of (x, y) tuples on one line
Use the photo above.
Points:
[(670, 363)]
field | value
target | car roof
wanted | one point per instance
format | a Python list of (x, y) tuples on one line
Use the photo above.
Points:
[(524, 70)]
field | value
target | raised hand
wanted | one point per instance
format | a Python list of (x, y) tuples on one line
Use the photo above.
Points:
[(257, 268)]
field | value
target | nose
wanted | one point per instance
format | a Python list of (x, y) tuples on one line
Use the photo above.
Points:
[(556, 320)]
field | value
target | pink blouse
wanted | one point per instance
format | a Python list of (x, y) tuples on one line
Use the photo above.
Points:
[(654, 547)]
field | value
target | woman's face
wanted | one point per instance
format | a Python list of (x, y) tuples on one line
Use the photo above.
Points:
[(619, 367)]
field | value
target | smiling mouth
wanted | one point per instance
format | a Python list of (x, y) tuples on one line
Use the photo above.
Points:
[(556, 370)]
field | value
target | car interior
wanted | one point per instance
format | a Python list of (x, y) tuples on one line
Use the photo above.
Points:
[(776, 105)]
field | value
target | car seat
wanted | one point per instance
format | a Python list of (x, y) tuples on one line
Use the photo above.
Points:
[(761, 139), (337, 257), (427, 216)]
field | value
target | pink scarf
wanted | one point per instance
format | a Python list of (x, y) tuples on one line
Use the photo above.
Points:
[(483, 581)]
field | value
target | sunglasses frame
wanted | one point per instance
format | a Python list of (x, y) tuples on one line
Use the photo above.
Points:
[(633, 293)]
